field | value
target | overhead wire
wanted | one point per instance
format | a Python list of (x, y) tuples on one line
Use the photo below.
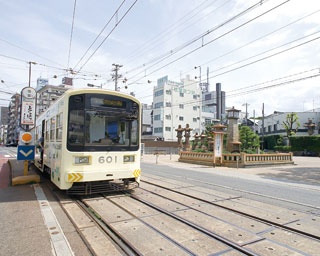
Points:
[(276, 79), (257, 39), (165, 56), (154, 42), (267, 57), (71, 33), (102, 30), (271, 55), (103, 41), (26, 50)]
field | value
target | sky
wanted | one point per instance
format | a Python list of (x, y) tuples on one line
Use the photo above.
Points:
[(262, 52)]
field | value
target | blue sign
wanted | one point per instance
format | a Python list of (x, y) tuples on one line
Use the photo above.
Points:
[(26, 152)]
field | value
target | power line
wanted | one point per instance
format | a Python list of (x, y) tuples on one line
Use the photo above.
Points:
[(274, 80), (267, 57), (71, 33), (211, 41), (102, 30), (259, 38), (24, 49), (154, 42), (170, 53), (115, 26), (276, 85)]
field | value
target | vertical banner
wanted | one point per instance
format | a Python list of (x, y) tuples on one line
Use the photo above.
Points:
[(218, 145), (28, 106)]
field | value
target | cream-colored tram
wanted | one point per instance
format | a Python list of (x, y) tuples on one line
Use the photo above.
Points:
[(91, 141)]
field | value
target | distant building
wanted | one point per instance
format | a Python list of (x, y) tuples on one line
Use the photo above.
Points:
[(273, 124), (184, 102), (3, 124), (147, 119), (13, 128), (48, 94), (41, 82)]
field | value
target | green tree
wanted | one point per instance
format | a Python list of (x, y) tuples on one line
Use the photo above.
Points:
[(249, 139), (292, 120)]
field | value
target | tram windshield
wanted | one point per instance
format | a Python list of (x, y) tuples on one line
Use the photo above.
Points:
[(103, 123)]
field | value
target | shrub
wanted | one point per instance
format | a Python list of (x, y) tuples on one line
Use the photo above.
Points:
[(308, 143)]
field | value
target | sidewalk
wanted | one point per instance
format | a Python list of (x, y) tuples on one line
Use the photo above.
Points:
[(22, 228), (306, 170)]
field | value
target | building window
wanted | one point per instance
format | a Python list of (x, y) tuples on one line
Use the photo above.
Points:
[(157, 117), (168, 104), (195, 108), (168, 129), (168, 92), (195, 96), (158, 130), (158, 105), (180, 118), (181, 106), (168, 117), (181, 94), (207, 97), (194, 120), (158, 93)]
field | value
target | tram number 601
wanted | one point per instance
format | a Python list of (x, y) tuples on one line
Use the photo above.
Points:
[(107, 159)]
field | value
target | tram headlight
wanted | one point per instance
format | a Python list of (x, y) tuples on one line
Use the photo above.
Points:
[(81, 160), (128, 159)]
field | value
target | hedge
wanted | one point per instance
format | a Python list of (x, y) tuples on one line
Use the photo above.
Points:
[(308, 143)]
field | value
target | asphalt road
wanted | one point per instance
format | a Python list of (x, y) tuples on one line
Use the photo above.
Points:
[(298, 184)]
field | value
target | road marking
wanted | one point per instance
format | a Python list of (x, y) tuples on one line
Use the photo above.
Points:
[(59, 242)]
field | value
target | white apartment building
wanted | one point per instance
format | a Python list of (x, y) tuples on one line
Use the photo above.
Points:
[(182, 103), (174, 104)]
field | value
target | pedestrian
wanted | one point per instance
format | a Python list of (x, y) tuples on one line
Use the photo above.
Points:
[(40, 147)]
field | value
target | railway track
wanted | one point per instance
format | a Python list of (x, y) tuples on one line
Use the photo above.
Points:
[(166, 217)]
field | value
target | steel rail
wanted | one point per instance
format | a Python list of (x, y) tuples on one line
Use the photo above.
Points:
[(268, 222), (197, 227)]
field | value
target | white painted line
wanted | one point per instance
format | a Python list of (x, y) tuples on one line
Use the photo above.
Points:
[(61, 246)]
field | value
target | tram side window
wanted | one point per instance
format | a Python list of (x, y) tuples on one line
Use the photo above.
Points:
[(76, 127), (134, 132), (47, 131), (52, 128), (59, 127)]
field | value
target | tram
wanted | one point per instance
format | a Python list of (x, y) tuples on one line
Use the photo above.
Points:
[(91, 141)]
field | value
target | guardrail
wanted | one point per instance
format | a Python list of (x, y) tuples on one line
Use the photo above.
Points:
[(241, 160)]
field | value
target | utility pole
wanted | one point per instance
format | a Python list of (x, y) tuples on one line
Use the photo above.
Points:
[(34, 63), (115, 76), (200, 98), (246, 104), (262, 146)]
